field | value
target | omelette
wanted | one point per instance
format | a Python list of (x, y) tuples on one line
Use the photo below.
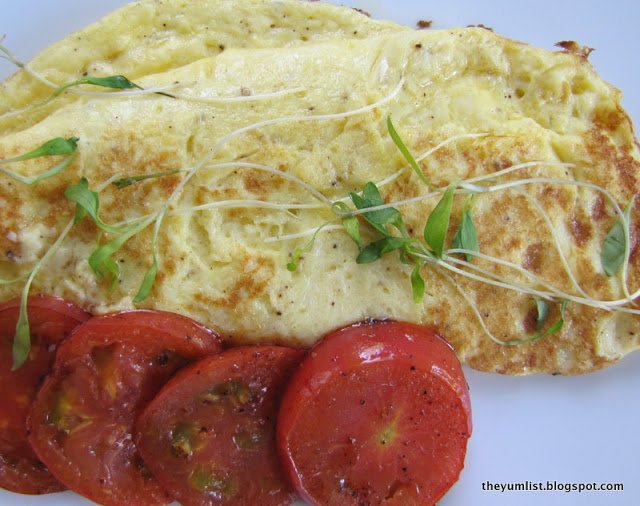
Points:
[(233, 180), (156, 35)]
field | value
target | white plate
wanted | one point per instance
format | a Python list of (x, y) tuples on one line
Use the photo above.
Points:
[(532, 429)]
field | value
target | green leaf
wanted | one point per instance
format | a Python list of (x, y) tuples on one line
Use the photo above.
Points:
[(114, 82), (350, 223), (406, 153), (381, 218), (417, 285), (466, 237), (113, 268), (147, 283), (128, 181), (99, 259), (292, 266), (377, 249), (89, 203), (542, 313), (57, 146), (557, 326), (613, 249), (435, 231), (22, 339)]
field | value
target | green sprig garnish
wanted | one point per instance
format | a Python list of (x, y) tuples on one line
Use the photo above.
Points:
[(113, 82), (543, 312), (118, 82), (406, 153), (435, 231), (88, 204), (614, 247), (100, 258), (542, 309), (298, 253), (150, 276), (349, 222), (22, 339), (380, 218), (385, 221), (148, 280), (466, 236), (417, 284), (53, 147), (557, 326), (377, 249), (128, 181)]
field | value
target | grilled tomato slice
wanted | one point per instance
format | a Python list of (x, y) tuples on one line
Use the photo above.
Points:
[(51, 320), (209, 435), (378, 413), (81, 421)]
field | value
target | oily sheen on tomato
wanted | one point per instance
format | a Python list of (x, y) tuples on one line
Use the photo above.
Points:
[(209, 435), (378, 413), (51, 320), (82, 419)]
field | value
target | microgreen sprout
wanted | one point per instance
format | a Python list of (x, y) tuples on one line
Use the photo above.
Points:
[(118, 82), (417, 284), (542, 309), (614, 247), (149, 278), (435, 231), (406, 153), (159, 216), (128, 181), (298, 253), (101, 257), (53, 147), (543, 312), (22, 338), (88, 204), (466, 236), (349, 222), (385, 220), (382, 220)]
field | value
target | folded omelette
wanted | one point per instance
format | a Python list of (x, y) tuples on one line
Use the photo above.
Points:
[(239, 170)]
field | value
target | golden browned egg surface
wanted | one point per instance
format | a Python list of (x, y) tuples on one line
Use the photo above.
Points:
[(305, 89)]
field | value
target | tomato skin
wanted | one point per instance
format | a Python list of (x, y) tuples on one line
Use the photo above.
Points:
[(209, 434), (378, 413), (51, 319), (82, 419)]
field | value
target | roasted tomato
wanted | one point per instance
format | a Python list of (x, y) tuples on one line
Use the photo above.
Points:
[(378, 413), (51, 320), (209, 435), (82, 419)]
